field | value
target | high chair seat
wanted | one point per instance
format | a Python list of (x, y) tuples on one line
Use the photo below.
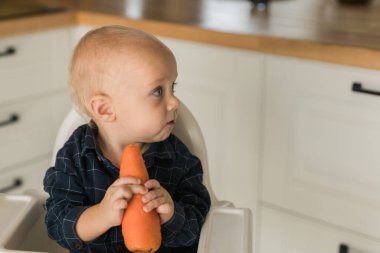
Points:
[(227, 228)]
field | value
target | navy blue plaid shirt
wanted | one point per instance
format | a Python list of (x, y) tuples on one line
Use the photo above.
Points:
[(82, 174)]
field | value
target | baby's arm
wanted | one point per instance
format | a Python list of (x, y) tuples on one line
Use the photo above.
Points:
[(97, 219), (68, 203)]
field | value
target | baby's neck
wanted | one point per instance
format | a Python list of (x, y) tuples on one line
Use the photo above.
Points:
[(112, 153), (113, 150)]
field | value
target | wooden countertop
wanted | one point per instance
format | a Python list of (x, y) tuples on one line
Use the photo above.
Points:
[(321, 30)]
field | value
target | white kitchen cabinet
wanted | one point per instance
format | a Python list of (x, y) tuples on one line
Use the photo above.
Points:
[(321, 145), (33, 133), (24, 176), (33, 101), (283, 232), (37, 65)]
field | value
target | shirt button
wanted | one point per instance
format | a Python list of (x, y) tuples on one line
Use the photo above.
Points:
[(119, 248), (78, 246)]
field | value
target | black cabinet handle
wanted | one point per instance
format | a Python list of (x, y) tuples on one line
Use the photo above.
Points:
[(343, 248), (8, 51), (13, 118), (357, 87), (17, 182)]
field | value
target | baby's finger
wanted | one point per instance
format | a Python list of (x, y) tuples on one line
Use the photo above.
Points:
[(136, 188), (122, 191), (150, 195), (152, 184), (127, 191), (154, 204), (126, 180), (120, 204), (164, 208)]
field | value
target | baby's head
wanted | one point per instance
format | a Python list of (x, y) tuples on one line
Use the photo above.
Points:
[(121, 72), (96, 60)]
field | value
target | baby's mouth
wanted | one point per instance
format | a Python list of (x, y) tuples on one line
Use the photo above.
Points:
[(170, 123)]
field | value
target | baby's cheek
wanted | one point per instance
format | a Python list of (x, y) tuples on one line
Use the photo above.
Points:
[(144, 128)]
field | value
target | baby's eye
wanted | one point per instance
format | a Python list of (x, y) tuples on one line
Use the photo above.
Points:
[(157, 92)]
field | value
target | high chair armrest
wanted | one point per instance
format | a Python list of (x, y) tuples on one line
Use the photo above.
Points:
[(226, 230), (224, 203)]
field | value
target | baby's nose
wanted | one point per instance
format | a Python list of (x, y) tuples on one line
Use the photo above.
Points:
[(173, 103)]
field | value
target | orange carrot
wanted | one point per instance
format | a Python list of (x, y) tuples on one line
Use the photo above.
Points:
[(141, 230)]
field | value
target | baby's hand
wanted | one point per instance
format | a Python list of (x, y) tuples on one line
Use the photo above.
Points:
[(116, 199), (157, 197)]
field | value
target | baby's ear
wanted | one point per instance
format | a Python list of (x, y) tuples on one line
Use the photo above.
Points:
[(102, 108)]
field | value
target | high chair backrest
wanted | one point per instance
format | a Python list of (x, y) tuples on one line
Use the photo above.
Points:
[(186, 128)]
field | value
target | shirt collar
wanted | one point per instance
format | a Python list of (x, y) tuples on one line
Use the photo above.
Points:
[(89, 141), (160, 150)]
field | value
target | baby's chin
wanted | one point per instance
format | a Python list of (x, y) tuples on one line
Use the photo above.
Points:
[(159, 137)]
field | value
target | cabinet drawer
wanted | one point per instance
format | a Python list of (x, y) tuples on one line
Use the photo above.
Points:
[(25, 176), (33, 133), (38, 64), (321, 143), (284, 233)]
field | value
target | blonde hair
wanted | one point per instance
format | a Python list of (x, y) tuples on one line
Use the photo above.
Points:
[(92, 57)]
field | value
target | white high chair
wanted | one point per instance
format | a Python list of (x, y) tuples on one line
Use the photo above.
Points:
[(227, 229)]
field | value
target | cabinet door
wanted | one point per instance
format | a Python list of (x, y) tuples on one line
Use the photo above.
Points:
[(282, 232), (38, 64), (26, 176), (221, 86), (33, 133), (322, 142)]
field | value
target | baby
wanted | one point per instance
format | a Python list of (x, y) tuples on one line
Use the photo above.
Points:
[(123, 79)]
